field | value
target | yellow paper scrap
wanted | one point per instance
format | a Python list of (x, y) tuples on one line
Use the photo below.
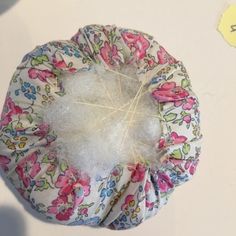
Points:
[(227, 25)]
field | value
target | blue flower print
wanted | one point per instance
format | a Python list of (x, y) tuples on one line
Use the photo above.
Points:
[(123, 218), (107, 192), (90, 221), (70, 51), (38, 51), (28, 90)]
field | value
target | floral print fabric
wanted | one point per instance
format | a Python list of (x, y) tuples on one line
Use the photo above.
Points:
[(131, 193)]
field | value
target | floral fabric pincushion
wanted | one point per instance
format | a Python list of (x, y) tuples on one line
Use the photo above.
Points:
[(132, 191)]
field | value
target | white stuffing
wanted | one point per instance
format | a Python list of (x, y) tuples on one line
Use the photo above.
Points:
[(99, 123)]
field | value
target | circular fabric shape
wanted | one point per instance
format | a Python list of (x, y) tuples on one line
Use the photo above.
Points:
[(154, 106)]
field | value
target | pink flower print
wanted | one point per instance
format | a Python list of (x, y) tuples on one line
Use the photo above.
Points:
[(138, 172), (5, 120), (42, 131), (115, 172), (164, 57), (176, 162), (83, 211), (61, 208), (187, 103), (164, 182), (149, 204), (169, 92), (4, 161), (74, 184), (138, 42), (150, 63), (28, 168), (59, 64), (187, 118), (42, 75), (129, 202), (12, 109), (63, 66), (109, 54), (191, 165), (177, 138), (161, 143), (147, 186)]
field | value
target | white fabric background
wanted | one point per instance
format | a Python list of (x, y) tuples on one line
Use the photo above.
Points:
[(187, 29)]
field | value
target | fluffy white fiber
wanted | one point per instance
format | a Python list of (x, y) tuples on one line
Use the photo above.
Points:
[(103, 120)]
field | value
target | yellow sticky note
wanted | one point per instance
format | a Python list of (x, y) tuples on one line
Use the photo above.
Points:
[(227, 25)]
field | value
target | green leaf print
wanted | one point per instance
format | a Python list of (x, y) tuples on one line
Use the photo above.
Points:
[(63, 166), (47, 88), (39, 60), (42, 184), (185, 83), (186, 148), (29, 118), (176, 154), (170, 117)]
